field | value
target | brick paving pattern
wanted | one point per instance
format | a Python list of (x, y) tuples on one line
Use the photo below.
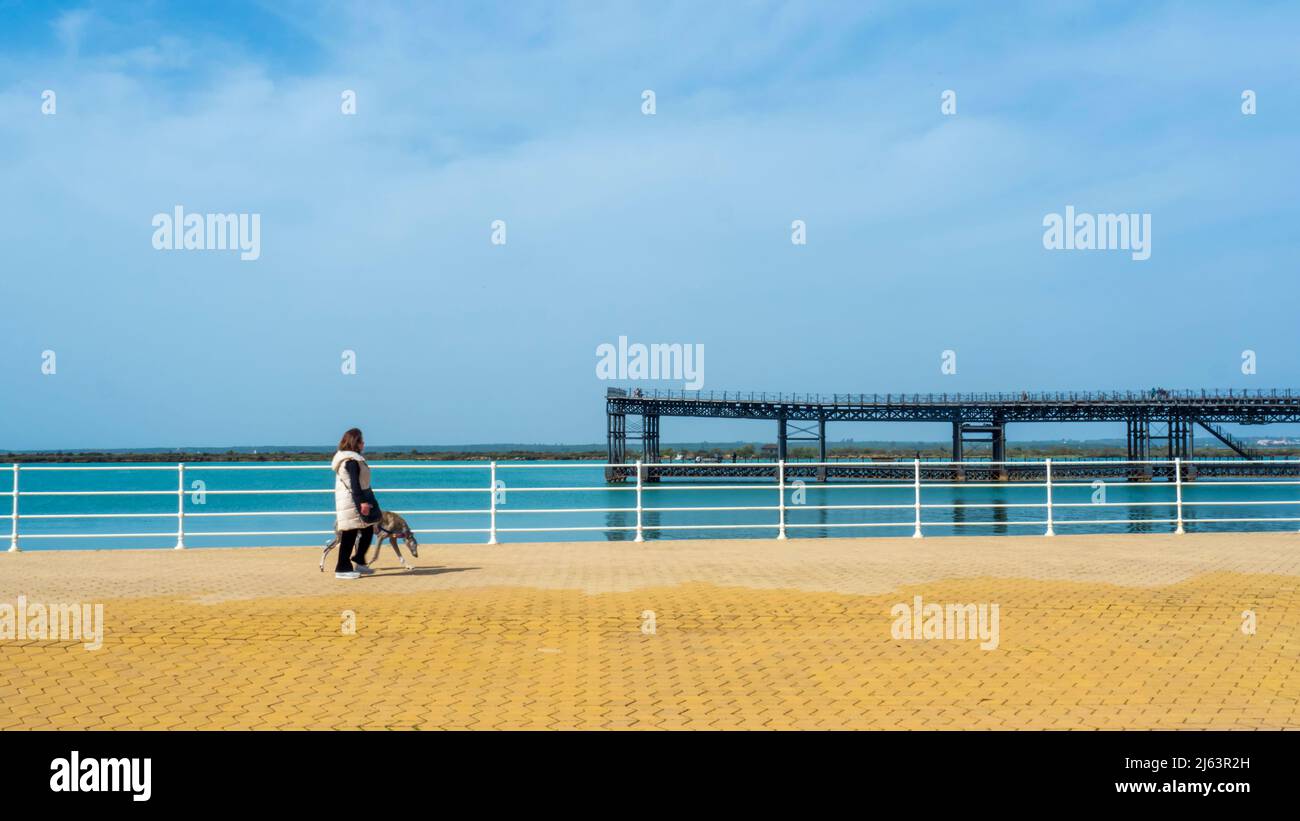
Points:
[(1096, 632)]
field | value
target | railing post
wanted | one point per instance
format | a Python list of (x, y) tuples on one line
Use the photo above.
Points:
[(1178, 490), (916, 465), (492, 503), (640, 534), (13, 539), (180, 506), (1050, 531), (780, 489)]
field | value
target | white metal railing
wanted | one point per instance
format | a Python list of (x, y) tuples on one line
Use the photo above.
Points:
[(780, 469)]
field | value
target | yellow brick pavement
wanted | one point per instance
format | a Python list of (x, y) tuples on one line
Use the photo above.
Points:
[(1095, 632)]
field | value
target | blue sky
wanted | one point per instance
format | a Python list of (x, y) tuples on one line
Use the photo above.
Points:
[(924, 230)]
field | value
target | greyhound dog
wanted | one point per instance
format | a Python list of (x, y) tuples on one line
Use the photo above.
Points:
[(391, 527)]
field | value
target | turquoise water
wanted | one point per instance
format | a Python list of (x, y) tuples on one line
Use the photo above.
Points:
[(241, 499)]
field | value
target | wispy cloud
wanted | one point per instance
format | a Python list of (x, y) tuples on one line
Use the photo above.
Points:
[(673, 226)]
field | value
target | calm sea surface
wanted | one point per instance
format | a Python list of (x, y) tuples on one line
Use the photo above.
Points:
[(241, 501)]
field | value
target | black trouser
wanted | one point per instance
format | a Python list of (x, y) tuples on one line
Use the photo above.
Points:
[(348, 540)]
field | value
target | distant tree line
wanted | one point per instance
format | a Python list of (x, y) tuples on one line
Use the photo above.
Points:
[(744, 452)]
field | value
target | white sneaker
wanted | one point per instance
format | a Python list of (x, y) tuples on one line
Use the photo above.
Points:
[(351, 575), (362, 568)]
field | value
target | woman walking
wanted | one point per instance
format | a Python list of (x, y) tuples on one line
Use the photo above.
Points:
[(355, 507)]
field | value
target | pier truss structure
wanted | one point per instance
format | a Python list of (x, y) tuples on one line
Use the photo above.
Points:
[(1160, 424)]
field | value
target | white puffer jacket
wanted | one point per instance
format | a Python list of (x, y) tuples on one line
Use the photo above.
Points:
[(346, 515)]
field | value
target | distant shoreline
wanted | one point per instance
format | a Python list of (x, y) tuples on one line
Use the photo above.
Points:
[(744, 451), (290, 456)]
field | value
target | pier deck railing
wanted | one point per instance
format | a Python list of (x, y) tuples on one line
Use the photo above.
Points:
[(1225, 395), (778, 491)]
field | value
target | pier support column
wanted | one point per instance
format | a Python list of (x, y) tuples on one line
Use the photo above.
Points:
[(968, 431), (958, 472), (1000, 448), (1145, 472), (650, 444), (821, 448), (782, 446), (616, 445), (1180, 433), (1139, 447)]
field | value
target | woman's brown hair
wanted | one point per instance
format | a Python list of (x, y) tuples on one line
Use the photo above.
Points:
[(351, 440)]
